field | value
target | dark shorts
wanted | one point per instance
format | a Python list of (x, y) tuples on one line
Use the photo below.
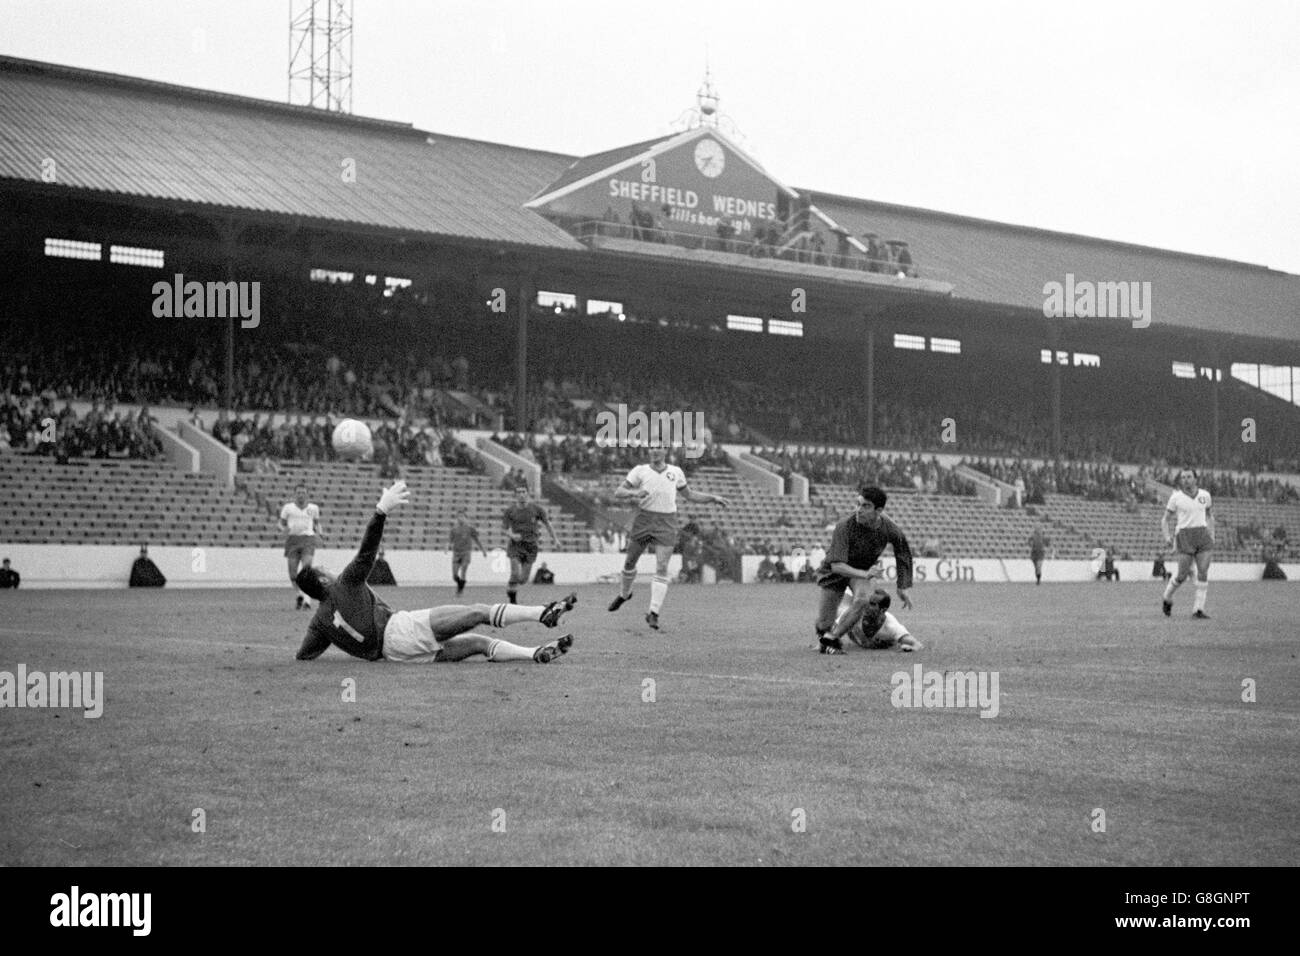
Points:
[(301, 546), (1194, 541), (525, 552), (831, 581), (1036, 557), (654, 527), (458, 556)]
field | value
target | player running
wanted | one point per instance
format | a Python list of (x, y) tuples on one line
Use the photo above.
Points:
[(356, 620), (463, 534), (301, 521), (851, 564), (520, 522), (1193, 536), (654, 488)]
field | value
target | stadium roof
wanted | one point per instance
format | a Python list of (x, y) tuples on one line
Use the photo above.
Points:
[(1000, 263), (123, 136), (110, 134)]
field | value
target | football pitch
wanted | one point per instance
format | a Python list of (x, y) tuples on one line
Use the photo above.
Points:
[(1120, 738)]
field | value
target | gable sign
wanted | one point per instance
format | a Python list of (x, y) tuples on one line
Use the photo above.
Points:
[(690, 185)]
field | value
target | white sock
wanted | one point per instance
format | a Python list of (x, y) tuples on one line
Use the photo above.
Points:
[(629, 578), (1170, 588), (505, 651), (658, 591), (503, 615), (1201, 588)]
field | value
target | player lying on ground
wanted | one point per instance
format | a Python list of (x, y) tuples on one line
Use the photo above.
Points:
[(1193, 535), (870, 625), (354, 619)]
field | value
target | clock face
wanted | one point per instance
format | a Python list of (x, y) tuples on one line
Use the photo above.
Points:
[(709, 158)]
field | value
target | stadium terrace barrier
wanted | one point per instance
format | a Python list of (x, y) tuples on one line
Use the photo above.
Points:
[(800, 488), (48, 566), (987, 488), (757, 472), (180, 453), (214, 457), (498, 460)]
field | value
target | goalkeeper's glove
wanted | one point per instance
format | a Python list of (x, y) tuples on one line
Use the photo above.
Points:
[(397, 494)]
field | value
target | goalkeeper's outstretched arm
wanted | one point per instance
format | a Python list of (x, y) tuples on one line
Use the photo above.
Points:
[(359, 568)]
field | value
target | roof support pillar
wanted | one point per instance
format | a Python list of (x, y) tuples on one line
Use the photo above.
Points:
[(869, 385), (523, 302)]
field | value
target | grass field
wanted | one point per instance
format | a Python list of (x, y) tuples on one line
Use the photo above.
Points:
[(1104, 704)]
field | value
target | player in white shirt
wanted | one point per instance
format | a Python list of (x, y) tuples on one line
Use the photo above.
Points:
[(300, 520), (654, 487), (1193, 536)]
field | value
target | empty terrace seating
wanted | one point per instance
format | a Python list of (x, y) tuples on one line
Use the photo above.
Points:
[(966, 527), (347, 492), (1138, 532), (112, 502), (755, 514)]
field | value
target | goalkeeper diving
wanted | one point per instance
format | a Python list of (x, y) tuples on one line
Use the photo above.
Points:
[(350, 616)]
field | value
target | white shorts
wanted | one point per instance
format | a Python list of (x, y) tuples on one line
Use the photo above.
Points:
[(409, 639)]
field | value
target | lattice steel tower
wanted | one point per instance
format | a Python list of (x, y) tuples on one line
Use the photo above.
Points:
[(320, 54)]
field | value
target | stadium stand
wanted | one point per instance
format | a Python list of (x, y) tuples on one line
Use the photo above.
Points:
[(964, 527), (427, 354), (123, 503), (1244, 528), (346, 493)]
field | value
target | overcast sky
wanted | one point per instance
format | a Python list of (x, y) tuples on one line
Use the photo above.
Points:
[(1172, 124)]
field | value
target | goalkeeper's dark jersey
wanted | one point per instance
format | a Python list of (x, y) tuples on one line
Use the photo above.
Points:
[(353, 617)]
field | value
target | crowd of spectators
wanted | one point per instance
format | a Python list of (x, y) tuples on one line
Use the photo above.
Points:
[(1225, 485), (584, 455), (33, 424), (712, 546), (1091, 481), (257, 439), (841, 467), (357, 350)]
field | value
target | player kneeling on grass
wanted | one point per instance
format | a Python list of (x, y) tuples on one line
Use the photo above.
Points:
[(354, 619)]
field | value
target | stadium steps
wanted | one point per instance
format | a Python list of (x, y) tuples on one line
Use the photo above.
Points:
[(115, 502), (1138, 532), (965, 527), (347, 491)]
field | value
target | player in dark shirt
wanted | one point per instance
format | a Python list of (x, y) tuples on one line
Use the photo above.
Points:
[(354, 619), (850, 563), (520, 522), (9, 578), (463, 534)]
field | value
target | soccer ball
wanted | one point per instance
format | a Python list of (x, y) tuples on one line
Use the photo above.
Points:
[(352, 440)]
